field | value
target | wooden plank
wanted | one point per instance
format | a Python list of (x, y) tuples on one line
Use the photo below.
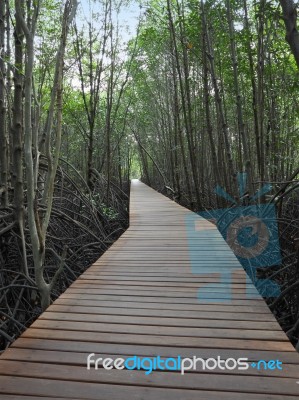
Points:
[(193, 332), (79, 359), (157, 299), (197, 381), (16, 397), (156, 321), (155, 339), (77, 390), (80, 283), (173, 291), (287, 357), (259, 308), (111, 310)]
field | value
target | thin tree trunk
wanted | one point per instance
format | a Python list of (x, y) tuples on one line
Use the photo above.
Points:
[(188, 128), (37, 225), (207, 110), (219, 108), (289, 10), (3, 125), (260, 86), (177, 127), (17, 137), (255, 105), (241, 127)]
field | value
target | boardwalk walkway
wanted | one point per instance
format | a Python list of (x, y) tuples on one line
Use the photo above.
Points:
[(141, 298)]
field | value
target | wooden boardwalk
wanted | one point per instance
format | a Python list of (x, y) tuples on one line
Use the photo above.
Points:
[(141, 298)]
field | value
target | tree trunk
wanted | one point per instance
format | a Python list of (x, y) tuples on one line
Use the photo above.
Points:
[(37, 225), (3, 127), (220, 110), (17, 136), (241, 128), (290, 19)]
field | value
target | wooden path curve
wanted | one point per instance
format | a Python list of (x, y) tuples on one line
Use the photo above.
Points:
[(141, 298)]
